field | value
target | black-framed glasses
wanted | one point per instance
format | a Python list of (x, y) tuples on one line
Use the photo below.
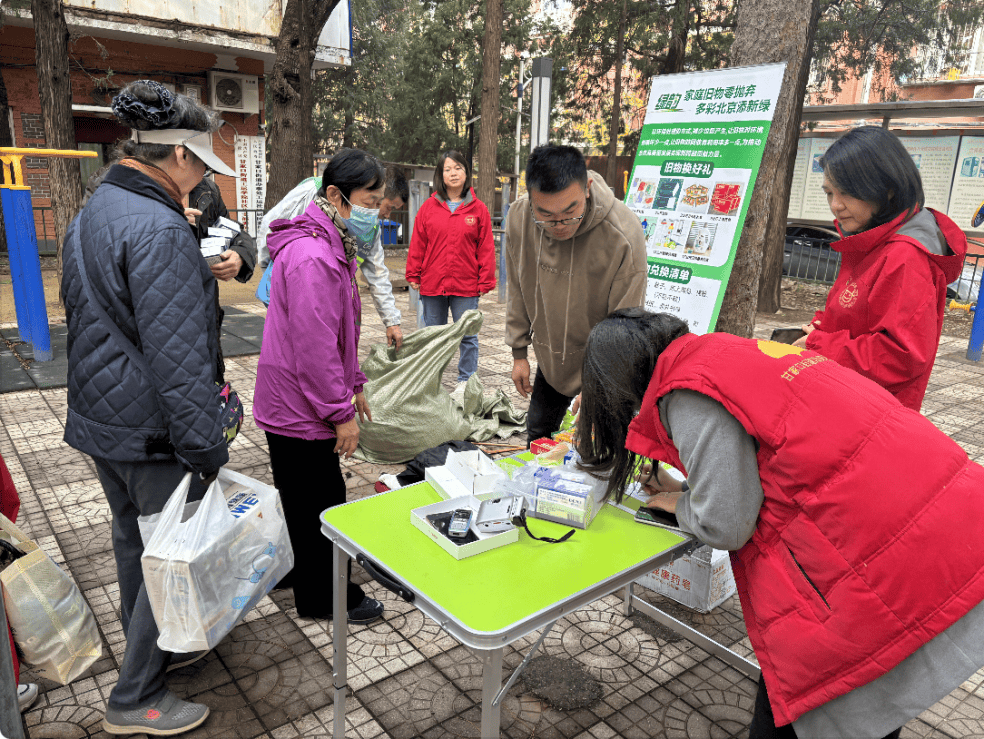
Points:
[(554, 224)]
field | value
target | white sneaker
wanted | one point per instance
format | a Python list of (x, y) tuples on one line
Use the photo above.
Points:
[(27, 693), (458, 395)]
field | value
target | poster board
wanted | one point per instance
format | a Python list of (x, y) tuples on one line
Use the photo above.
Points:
[(967, 192), (949, 184), (815, 206), (250, 180), (699, 154), (797, 188), (934, 157)]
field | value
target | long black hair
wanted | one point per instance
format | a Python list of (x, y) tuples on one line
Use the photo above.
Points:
[(619, 362), (351, 169), (870, 163)]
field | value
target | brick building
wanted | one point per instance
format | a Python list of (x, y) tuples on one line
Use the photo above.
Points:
[(217, 53)]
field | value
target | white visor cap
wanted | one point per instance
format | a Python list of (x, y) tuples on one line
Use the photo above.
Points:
[(199, 142)]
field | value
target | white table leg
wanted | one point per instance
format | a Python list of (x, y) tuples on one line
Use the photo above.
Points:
[(491, 683), (340, 633)]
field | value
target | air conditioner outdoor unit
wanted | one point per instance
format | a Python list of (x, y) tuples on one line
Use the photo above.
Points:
[(979, 92), (235, 93)]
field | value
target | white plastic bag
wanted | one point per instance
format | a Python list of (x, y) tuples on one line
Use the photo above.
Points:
[(50, 619), (204, 574)]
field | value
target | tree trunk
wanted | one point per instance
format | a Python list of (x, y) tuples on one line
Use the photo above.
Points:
[(611, 171), (768, 31), (55, 87), (770, 282), (676, 52), (488, 135), (290, 137)]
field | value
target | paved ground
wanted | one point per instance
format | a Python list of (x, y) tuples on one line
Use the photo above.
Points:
[(272, 676)]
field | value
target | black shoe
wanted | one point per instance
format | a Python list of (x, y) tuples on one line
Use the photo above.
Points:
[(365, 613)]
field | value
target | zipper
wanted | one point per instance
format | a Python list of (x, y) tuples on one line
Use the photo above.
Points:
[(807, 578)]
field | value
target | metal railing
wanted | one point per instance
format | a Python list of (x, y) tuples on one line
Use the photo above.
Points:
[(812, 260)]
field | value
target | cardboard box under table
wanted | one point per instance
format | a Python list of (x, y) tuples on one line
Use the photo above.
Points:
[(702, 580), (489, 601)]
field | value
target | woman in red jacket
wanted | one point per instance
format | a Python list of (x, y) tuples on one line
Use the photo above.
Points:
[(884, 314), (452, 257), (837, 503)]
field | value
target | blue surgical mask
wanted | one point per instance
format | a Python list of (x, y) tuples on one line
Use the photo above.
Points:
[(362, 223)]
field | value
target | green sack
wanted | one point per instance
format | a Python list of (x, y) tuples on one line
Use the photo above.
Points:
[(411, 411)]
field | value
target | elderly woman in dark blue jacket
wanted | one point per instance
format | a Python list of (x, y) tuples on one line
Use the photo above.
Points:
[(145, 420)]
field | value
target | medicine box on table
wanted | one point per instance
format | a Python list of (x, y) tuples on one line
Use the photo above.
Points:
[(565, 495), (702, 580), (485, 543)]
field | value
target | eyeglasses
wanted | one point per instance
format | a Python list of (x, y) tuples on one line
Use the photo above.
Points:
[(555, 224), (208, 172)]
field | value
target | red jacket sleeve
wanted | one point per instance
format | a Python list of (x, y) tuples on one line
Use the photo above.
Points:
[(9, 499), (418, 244), (486, 254), (903, 326)]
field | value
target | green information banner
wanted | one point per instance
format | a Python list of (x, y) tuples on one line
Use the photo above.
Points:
[(698, 157)]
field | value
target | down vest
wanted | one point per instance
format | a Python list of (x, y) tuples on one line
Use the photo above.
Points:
[(867, 544), (147, 273)]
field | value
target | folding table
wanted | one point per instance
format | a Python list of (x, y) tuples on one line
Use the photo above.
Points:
[(492, 599)]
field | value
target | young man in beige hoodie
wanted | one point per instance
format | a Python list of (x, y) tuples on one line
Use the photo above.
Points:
[(574, 254)]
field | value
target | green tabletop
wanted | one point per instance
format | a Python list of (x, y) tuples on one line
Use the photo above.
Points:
[(491, 591)]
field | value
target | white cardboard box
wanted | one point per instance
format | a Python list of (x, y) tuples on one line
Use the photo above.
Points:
[(702, 580), (465, 473), (485, 543)]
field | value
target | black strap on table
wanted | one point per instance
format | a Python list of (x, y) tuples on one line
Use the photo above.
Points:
[(520, 520), (384, 578)]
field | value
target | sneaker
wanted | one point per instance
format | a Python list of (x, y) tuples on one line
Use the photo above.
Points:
[(27, 693), (183, 660), (167, 717), (366, 612)]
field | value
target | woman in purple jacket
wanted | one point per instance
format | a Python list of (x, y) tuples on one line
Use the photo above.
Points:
[(309, 373)]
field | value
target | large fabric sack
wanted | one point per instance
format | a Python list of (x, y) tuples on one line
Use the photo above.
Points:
[(206, 566), (52, 624), (411, 411)]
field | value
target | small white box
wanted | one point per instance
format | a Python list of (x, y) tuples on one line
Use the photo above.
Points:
[(224, 222), (485, 543), (221, 232), (465, 473), (702, 580), (446, 484), (212, 248)]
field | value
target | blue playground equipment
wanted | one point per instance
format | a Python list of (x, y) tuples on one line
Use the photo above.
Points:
[(22, 247)]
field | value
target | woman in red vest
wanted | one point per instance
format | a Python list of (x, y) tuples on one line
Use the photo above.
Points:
[(838, 505), (884, 313)]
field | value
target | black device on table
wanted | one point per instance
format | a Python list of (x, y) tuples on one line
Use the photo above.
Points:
[(657, 517)]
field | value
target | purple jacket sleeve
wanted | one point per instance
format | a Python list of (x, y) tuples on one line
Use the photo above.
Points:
[(318, 298)]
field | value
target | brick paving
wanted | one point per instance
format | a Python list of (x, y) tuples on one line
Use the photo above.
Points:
[(272, 676)]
